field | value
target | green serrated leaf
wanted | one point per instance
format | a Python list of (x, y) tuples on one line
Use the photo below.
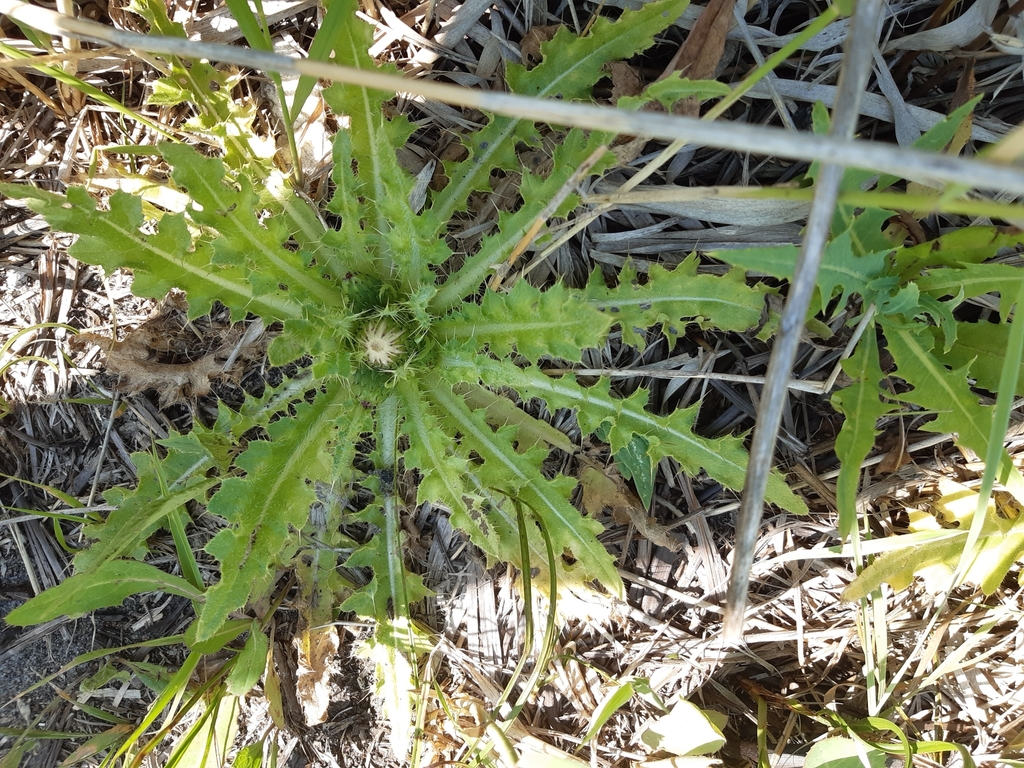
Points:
[(724, 459), (250, 662), (947, 393), (514, 473), (391, 585), (570, 68), (164, 486), (404, 244), (159, 261), (671, 299), (500, 411), (229, 208), (981, 347), (861, 407), (974, 280), (968, 245), (512, 227), (634, 463), (220, 117), (841, 271), (449, 476), (265, 509), (535, 323), (106, 585)]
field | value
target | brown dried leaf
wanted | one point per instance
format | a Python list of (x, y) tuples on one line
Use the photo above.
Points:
[(156, 355), (608, 489), (317, 651), (698, 56), (626, 80), (532, 40)]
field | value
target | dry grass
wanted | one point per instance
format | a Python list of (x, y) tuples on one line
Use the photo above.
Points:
[(803, 656)]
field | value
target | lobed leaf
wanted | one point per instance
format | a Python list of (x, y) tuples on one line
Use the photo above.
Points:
[(228, 207), (536, 192), (570, 68), (969, 245), (405, 243), (862, 407), (515, 474), (391, 585), (974, 280), (1001, 546), (673, 88), (160, 261), (671, 299), (536, 323), (164, 486), (841, 272), (449, 477), (266, 508), (948, 394), (980, 347), (724, 459), (500, 411), (219, 117)]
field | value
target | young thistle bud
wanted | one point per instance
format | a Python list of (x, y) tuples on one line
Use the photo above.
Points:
[(381, 344)]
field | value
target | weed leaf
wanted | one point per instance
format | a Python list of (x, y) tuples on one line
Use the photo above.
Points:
[(671, 299), (106, 585), (946, 393), (861, 408)]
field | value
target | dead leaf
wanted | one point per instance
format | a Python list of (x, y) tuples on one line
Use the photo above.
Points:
[(698, 56), (161, 354), (272, 691), (896, 456), (608, 489), (532, 41), (965, 88), (626, 80), (317, 651)]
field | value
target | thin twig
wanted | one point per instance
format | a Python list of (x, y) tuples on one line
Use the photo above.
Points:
[(815, 387), (852, 81), (907, 163)]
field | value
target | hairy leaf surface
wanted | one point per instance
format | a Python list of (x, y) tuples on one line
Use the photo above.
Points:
[(160, 261), (164, 486), (570, 68), (724, 459), (536, 191), (407, 244), (514, 473), (536, 323), (671, 299), (266, 508), (105, 586)]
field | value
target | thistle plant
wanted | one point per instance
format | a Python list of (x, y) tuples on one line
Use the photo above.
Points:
[(409, 354)]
